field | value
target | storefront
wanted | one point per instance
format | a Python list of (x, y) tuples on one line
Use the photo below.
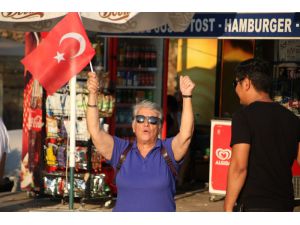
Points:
[(207, 51), (11, 79), (225, 40)]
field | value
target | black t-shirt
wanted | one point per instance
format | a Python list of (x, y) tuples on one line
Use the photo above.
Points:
[(273, 133)]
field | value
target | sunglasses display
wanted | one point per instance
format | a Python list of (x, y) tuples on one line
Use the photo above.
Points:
[(151, 119)]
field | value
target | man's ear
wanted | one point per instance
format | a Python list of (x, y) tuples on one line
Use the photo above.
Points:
[(246, 83)]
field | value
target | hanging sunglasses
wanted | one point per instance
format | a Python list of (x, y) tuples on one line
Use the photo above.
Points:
[(236, 81), (151, 119)]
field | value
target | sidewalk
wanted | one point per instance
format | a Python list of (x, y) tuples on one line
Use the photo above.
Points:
[(190, 201)]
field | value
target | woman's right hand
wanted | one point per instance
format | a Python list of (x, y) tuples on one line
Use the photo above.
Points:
[(92, 83)]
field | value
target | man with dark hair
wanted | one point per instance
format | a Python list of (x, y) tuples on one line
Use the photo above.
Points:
[(265, 142)]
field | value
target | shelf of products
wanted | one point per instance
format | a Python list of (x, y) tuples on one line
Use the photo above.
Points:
[(92, 177), (139, 77), (286, 75)]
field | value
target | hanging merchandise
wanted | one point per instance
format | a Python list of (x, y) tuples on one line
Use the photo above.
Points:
[(50, 156), (106, 100), (99, 187), (91, 177), (81, 158), (51, 127), (61, 157), (96, 160), (56, 187), (81, 104)]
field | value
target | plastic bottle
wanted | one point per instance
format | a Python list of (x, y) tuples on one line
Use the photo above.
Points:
[(121, 56), (129, 78), (135, 79), (153, 56)]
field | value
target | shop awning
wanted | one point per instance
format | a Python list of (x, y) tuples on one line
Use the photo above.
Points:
[(109, 22), (230, 26)]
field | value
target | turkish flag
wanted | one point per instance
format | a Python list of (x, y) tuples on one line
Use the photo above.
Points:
[(62, 54)]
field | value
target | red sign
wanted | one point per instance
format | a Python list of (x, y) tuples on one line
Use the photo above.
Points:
[(296, 169), (35, 120), (220, 155)]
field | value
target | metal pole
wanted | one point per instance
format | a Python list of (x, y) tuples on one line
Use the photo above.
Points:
[(72, 84)]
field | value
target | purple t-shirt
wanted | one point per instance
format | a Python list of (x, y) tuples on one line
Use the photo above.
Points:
[(144, 184)]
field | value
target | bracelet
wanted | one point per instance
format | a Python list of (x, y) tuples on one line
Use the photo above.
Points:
[(92, 106), (187, 96)]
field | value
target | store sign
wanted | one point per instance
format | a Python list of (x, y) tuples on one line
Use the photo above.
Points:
[(25, 17), (220, 155), (114, 16), (225, 25), (21, 15), (35, 121)]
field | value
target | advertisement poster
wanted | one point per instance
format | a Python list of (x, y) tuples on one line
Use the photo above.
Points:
[(220, 155), (296, 169), (289, 50)]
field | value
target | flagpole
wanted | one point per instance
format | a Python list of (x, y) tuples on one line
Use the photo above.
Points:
[(72, 84)]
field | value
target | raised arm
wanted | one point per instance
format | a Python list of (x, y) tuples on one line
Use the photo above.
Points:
[(182, 140), (103, 141), (237, 173)]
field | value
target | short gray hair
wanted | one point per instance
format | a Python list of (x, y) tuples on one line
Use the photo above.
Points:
[(149, 105)]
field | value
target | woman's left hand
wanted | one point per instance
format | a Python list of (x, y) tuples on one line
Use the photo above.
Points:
[(186, 85)]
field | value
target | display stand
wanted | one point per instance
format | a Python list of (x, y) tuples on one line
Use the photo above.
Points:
[(220, 155)]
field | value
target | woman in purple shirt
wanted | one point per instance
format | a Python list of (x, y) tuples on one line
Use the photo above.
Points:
[(144, 181)]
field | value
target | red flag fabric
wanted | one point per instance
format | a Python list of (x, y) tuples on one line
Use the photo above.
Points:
[(62, 54)]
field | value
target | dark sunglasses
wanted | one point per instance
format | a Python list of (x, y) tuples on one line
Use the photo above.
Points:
[(151, 119), (236, 81)]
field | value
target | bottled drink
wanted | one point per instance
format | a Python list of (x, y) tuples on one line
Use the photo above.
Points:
[(123, 78), (141, 83), (135, 56), (147, 77), (121, 116), (150, 95), (122, 55), (142, 57), (119, 79), (118, 96), (129, 79), (125, 96), (128, 96), (152, 80), (128, 58), (153, 56), (147, 56), (121, 96), (135, 79)]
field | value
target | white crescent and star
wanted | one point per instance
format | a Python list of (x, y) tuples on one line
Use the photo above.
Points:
[(82, 45)]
